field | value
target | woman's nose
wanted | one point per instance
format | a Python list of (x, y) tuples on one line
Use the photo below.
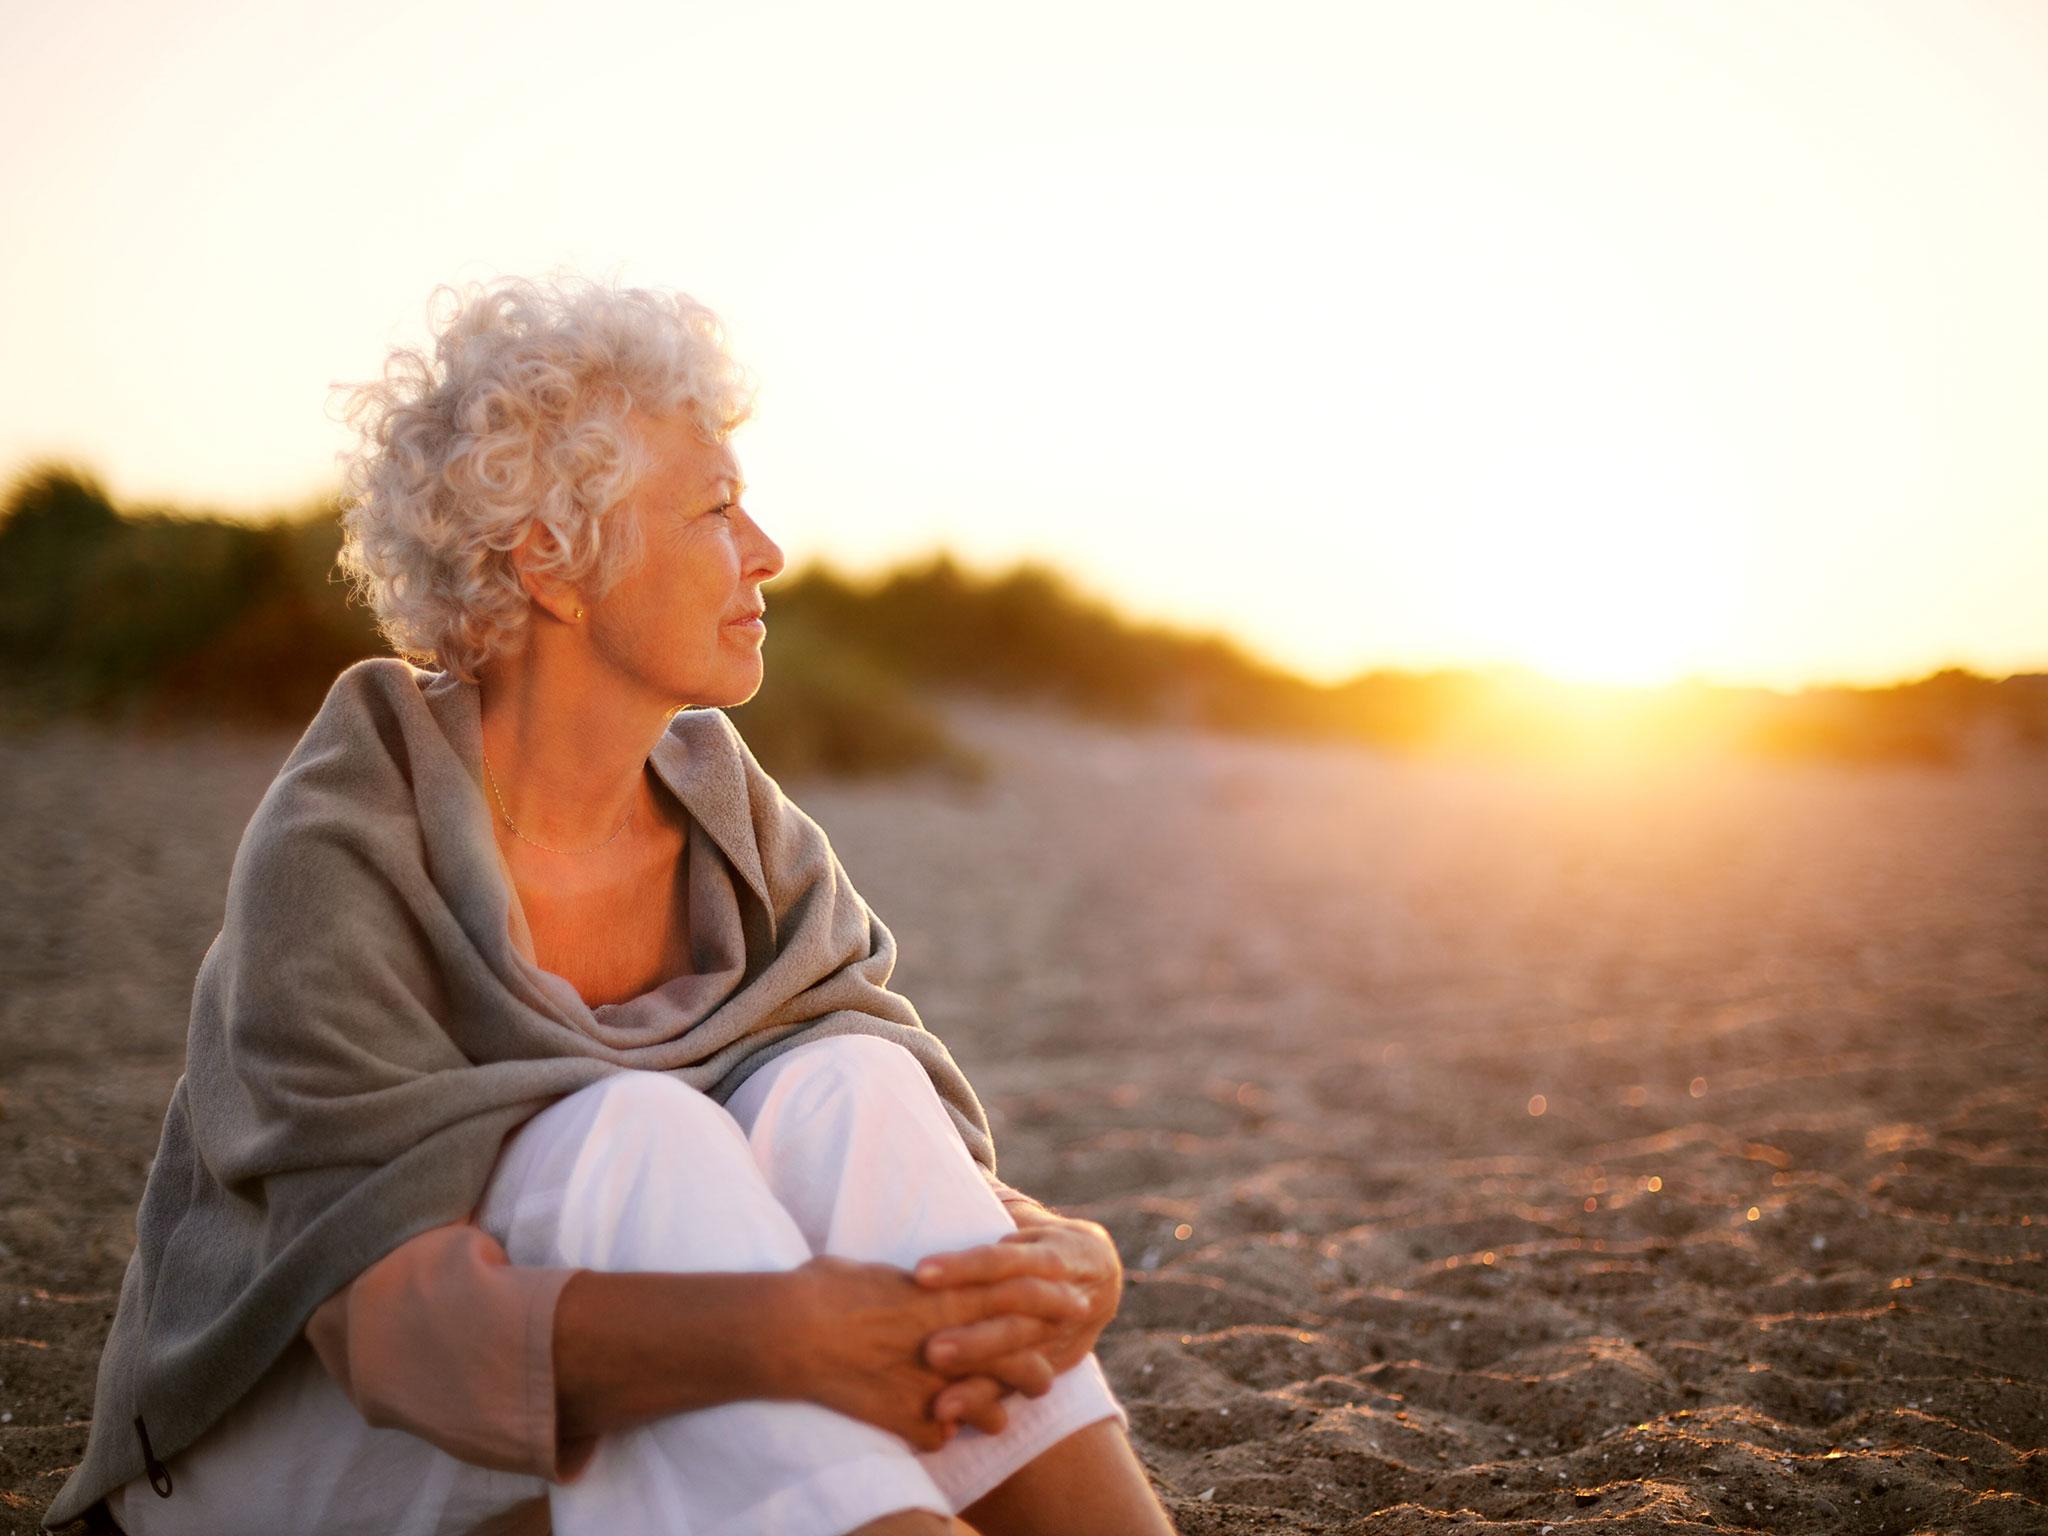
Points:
[(767, 553)]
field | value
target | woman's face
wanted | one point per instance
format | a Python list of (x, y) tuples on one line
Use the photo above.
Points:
[(681, 625)]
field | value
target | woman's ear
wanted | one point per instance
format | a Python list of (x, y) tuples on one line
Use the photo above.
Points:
[(549, 592)]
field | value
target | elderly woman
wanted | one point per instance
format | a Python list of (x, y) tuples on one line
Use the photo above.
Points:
[(551, 1153)]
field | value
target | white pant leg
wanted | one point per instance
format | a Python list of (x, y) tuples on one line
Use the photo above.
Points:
[(294, 1455), (860, 1151), (643, 1172)]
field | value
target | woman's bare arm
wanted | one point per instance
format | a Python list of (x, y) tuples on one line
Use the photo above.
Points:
[(637, 1346)]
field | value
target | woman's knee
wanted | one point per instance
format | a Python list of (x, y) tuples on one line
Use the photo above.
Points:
[(835, 1069), (860, 1149), (609, 1149), (858, 1055), (653, 1103), (630, 1110)]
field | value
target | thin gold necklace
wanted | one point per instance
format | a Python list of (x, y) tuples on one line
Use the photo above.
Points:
[(492, 779)]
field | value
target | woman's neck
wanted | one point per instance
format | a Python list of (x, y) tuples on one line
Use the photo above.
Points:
[(567, 747)]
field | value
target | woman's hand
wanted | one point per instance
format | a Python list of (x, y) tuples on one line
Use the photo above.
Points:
[(1053, 1249), (856, 1336)]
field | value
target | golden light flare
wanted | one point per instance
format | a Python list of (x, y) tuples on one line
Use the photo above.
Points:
[(1600, 588)]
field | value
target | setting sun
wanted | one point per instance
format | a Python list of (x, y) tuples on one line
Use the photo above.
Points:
[(1605, 594)]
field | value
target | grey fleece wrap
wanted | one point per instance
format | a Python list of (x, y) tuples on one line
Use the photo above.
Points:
[(365, 1032)]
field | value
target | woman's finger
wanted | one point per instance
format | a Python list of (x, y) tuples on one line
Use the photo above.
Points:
[(975, 1400), (1053, 1300), (1027, 1371), (957, 1305), (973, 1347), (991, 1262)]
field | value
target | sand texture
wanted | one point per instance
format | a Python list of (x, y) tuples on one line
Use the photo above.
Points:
[(1770, 1257)]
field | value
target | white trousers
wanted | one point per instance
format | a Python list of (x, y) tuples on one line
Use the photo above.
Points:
[(839, 1146)]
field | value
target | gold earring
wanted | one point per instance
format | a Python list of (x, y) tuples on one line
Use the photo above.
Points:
[(579, 613)]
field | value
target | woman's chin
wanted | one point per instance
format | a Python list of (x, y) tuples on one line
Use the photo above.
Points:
[(735, 691)]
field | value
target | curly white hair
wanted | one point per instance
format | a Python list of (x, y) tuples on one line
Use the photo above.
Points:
[(517, 421)]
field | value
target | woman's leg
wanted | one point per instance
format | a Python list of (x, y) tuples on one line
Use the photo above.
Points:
[(643, 1172), (1090, 1484), (861, 1153), (295, 1455)]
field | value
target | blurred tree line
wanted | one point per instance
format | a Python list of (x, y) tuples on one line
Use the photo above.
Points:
[(165, 619)]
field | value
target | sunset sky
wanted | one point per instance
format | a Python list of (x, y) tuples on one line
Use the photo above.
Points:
[(1623, 340)]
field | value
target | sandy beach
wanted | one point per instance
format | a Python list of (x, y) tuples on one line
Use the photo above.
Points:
[(1489, 1148)]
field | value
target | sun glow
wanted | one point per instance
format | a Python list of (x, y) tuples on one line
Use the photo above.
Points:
[(1617, 599)]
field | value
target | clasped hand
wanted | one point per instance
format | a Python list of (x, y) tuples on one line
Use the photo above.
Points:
[(1023, 1353), (921, 1354)]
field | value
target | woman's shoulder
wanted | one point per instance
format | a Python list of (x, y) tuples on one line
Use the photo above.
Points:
[(349, 780), (375, 695)]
